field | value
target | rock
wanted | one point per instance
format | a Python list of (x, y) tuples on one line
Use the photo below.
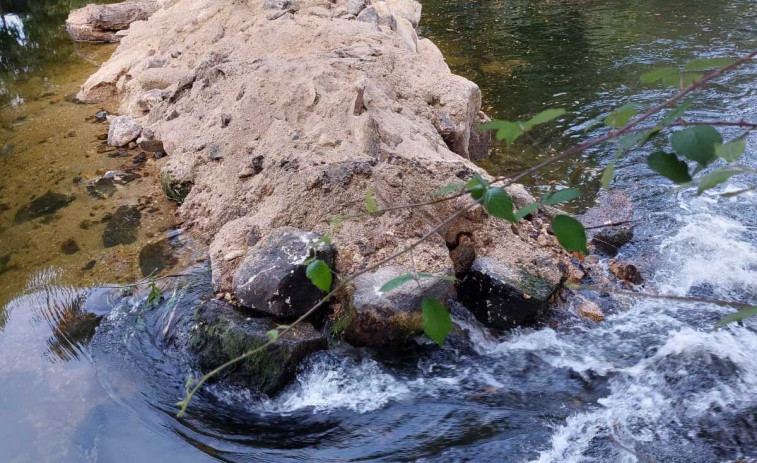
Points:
[(46, 204), (590, 310), (149, 142), (407, 9), (354, 7), (501, 296), (149, 99), (625, 271), (222, 333), (480, 141), (368, 15), (104, 186), (609, 240), (285, 5), (123, 130), (156, 257), (100, 23), (271, 279), (391, 319), (69, 247), (122, 226)]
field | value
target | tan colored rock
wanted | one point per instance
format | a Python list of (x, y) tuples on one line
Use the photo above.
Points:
[(104, 23), (321, 110), (625, 271), (590, 310)]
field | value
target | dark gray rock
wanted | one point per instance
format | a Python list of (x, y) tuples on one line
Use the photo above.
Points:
[(285, 5), (391, 319), (271, 279), (503, 297), (104, 186), (609, 240), (46, 204), (222, 332), (122, 226), (122, 131), (368, 15)]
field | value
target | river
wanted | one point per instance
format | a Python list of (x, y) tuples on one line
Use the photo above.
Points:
[(653, 376)]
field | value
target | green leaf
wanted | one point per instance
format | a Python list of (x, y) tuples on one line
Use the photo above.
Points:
[(738, 316), (730, 151), (570, 233), (371, 205), (153, 297), (506, 130), (525, 210), (436, 320), (336, 220), (319, 274), (499, 204), (453, 188), (631, 140), (273, 334), (477, 186), (716, 177), (607, 176), (561, 196), (621, 116), (544, 116), (697, 143), (657, 74), (396, 282), (668, 165), (682, 80), (732, 194), (323, 240), (708, 63)]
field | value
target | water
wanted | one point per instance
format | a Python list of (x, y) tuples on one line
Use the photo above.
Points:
[(653, 376)]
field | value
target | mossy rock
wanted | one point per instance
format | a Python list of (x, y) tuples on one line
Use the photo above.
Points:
[(222, 333)]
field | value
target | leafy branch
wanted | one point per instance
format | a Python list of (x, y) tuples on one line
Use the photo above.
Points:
[(625, 129)]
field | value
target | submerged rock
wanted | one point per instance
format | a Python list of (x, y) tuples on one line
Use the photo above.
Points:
[(271, 279), (122, 226), (69, 247), (156, 257), (104, 186), (376, 319), (122, 131), (222, 333), (46, 204), (503, 297)]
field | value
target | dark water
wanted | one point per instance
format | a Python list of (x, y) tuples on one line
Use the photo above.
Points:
[(652, 376)]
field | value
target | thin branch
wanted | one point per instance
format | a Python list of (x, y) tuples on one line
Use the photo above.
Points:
[(691, 299), (613, 224), (638, 455)]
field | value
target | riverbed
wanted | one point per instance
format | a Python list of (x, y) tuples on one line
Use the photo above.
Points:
[(653, 376)]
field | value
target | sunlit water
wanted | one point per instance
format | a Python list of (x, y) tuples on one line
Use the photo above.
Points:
[(653, 377)]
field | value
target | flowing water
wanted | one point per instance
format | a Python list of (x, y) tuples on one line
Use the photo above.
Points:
[(653, 377)]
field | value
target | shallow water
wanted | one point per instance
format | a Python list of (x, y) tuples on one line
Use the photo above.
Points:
[(653, 376)]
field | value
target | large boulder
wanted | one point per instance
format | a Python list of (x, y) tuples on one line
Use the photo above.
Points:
[(222, 332), (377, 319), (502, 296), (271, 279), (609, 222), (100, 23)]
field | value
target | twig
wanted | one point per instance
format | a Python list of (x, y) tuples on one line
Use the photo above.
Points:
[(613, 224), (701, 300), (639, 455)]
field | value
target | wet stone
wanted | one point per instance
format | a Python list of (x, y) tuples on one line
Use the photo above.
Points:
[(122, 227), (156, 257), (503, 297), (609, 240), (89, 265), (222, 332), (46, 204)]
